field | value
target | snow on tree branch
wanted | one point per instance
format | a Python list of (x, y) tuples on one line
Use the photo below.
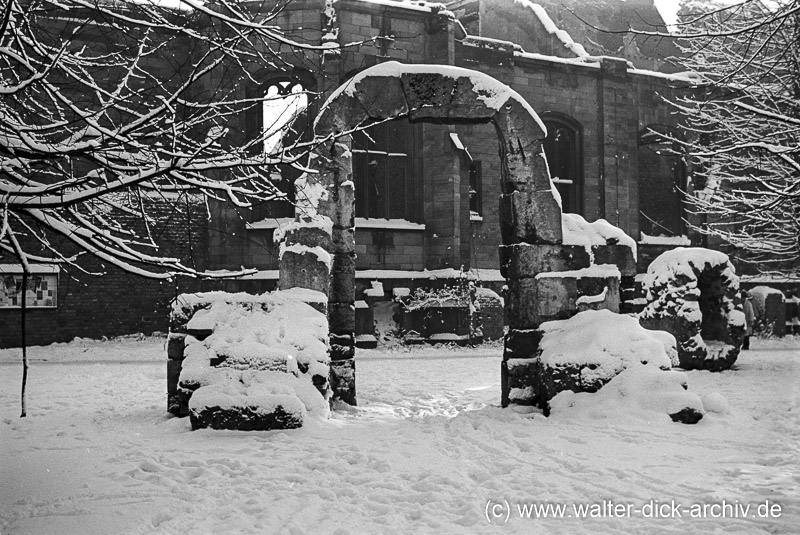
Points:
[(106, 105)]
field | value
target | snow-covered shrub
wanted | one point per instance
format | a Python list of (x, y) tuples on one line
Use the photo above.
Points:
[(770, 310), (693, 293), (265, 359), (639, 391), (586, 351)]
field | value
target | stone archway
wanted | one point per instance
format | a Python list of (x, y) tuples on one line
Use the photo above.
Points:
[(322, 239)]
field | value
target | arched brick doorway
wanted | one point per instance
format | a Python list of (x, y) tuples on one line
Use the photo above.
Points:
[(530, 214)]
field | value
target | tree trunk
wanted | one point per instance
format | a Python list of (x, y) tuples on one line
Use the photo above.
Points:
[(24, 345)]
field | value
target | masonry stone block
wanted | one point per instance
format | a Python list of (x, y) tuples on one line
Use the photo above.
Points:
[(590, 288), (344, 241), (345, 206), (176, 342), (556, 296), (530, 217), (342, 346), (466, 103), (521, 303), (382, 97), (343, 380), (521, 343), (343, 278), (342, 318), (525, 260), (341, 114), (304, 270), (618, 255), (244, 418), (309, 236), (427, 94), (514, 120), (173, 374)]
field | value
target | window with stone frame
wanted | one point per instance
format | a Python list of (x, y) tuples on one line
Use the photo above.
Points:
[(41, 291), (381, 170), (563, 148)]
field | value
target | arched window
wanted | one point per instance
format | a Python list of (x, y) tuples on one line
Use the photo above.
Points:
[(279, 119), (284, 101), (381, 170), (563, 148), (661, 177)]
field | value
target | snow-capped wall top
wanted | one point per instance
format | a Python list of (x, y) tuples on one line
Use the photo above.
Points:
[(578, 231)]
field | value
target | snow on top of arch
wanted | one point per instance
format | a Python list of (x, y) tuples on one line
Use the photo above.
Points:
[(493, 93)]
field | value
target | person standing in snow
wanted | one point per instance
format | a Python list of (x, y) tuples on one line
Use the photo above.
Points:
[(749, 319)]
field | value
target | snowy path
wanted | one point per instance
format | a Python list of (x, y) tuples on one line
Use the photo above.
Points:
[(424, 453)]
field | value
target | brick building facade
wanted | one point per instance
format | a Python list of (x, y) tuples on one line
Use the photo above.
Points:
[(426, 194)]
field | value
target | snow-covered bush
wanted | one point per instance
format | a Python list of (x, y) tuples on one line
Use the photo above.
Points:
[(586, 351), (256, 362), (693, 293)]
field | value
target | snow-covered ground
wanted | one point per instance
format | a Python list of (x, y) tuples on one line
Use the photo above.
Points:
[(427, 451)]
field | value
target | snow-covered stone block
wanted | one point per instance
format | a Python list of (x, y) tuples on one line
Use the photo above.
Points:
[(254, 352), (490, 310), (637, 392), (583, 353), (595, 236), (770, 309), (256, 400), (693, 293)]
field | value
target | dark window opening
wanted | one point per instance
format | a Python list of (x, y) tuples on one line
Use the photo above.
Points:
[(563, 151), (661, 176), (475, 189), (381, 170)]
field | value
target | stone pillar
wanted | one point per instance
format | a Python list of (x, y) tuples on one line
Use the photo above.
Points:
[(331, 198)]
